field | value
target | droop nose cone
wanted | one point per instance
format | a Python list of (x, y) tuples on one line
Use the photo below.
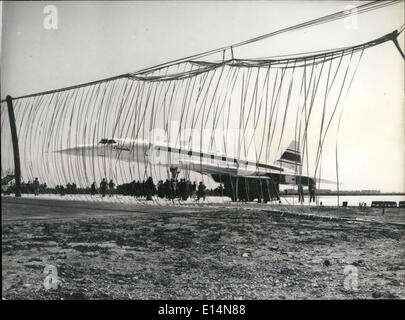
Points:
[(77, 151)]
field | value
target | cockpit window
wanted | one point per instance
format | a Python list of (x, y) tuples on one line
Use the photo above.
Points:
[(107, 141)]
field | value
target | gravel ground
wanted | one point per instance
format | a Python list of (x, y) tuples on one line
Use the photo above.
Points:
[(213, 254)]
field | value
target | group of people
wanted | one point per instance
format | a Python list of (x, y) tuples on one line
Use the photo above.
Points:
[(34, 187), (182, 190), (170, 189), (139, 189), (70, 188), (104, 187), (311, 191)]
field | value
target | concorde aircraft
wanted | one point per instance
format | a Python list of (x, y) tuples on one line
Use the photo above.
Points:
[(258, 178)]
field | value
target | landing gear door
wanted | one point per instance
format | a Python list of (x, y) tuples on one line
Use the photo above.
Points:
[(290, 179)]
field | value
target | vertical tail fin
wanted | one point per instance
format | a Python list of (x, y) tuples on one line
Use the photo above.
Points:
[(291, 157)]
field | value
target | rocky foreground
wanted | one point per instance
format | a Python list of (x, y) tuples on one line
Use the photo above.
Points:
[(213, 254)]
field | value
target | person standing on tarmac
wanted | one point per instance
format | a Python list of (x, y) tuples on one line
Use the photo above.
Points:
[(93, 188), (300, 193), (35, 184), (111, 186), (311, 189), (103, 187), (201, 191)]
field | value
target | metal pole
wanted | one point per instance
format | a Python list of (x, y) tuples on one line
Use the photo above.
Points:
[(395, 40), (17, 169)]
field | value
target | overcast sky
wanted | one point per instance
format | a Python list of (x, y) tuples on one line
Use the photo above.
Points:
[(95, 40)]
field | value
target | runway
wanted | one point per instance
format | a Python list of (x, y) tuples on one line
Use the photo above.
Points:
[(59, 208), (33, 209)]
